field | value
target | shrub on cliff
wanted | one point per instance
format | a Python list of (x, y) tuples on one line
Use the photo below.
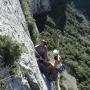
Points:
[(9, 50)]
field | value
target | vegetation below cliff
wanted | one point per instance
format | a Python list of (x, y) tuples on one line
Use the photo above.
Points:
[(66, 29)]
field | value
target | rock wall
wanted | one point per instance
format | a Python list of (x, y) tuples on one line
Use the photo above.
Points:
[(38, 6), (12, 23), (69, 81)]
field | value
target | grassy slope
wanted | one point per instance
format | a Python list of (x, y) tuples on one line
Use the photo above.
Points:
[(72, 32)]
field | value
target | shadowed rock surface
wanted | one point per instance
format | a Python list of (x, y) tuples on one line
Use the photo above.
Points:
[(39, 6)]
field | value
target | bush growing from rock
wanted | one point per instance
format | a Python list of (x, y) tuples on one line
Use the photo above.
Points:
[(9, 50)]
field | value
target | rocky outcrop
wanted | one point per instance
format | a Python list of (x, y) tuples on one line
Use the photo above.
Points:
[(38, 6), (69, 81), (12, 23)]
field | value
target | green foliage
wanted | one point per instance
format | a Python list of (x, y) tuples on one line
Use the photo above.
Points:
[(62, 87), (85, 85), (4, 86), (50, 38), (71, 88), (61, 78), (29, 19), (1, 77), (9, 50), (74, 43)]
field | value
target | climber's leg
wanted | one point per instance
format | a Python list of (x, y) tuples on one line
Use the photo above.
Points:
[(42, 67)]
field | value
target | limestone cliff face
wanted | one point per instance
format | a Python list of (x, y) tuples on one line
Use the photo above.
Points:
[(12, 23), (38, 6)]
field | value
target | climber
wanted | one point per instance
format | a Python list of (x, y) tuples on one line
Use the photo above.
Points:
[(41, 50), (41, 55), (54, 67)]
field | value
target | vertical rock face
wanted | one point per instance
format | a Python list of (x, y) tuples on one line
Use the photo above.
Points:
[(69, 82), (12, 23), (38, 6)]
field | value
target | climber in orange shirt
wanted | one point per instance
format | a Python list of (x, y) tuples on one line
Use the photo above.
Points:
[(53, 66)]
